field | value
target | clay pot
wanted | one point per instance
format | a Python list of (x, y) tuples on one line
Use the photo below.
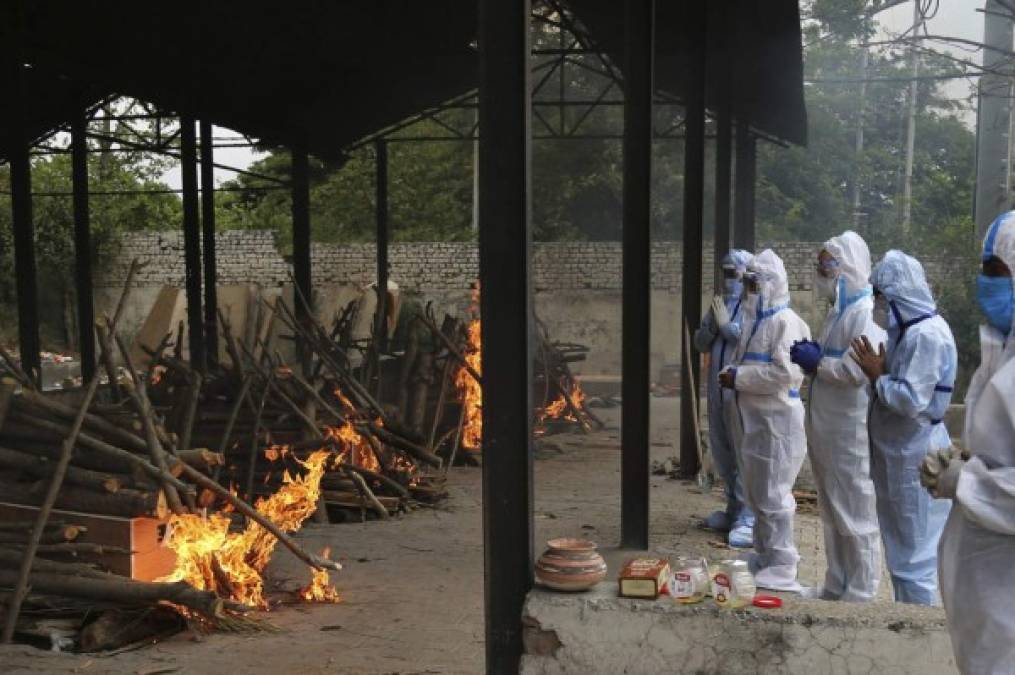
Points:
[(570, 565)]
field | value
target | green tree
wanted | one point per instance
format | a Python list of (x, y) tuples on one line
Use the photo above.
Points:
[(53, 218)]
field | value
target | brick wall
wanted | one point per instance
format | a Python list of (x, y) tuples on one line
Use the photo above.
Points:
[(251, 256)]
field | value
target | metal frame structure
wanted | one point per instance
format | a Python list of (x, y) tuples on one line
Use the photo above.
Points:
[(512, 95)]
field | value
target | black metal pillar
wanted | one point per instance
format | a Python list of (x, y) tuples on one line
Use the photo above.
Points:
[(723, 188), (744, 230), (26, 282), (208, 242), (694, 215), (505, 235), (380, 329), (635, 317), (192, 241), (301, 243), (82, 245)]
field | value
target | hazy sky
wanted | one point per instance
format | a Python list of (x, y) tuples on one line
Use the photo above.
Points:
[(954, 18), (958, 18)]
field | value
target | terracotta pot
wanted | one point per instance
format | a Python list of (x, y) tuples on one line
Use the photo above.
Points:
[(570, 565)]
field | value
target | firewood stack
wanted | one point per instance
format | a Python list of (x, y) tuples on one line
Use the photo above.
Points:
[(87, 459), (563, 406), (263, 415)]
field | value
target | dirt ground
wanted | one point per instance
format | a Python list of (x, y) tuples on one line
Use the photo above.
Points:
[(412, 588)]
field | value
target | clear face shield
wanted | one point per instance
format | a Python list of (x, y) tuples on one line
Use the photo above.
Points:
[(826, 274)]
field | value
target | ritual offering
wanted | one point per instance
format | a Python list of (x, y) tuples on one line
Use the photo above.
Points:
[(570, 565), (690, 580), (733, 584), (644, 578)]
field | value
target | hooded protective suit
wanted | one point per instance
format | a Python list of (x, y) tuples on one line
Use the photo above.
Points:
[(906, 424), (977, 554), (769, 429), (721, 345), (837, 432)]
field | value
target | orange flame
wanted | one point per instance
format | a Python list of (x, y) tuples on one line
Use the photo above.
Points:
[(206, 550), (559, 409), (470, 392), (356, 449), (320, 588)]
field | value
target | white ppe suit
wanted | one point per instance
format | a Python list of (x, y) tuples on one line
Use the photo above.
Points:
[(906, 422), (769, 428), (721, 345), (837, 431), (977, 553)]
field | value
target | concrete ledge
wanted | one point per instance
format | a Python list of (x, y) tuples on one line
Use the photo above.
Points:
[(597, 632)]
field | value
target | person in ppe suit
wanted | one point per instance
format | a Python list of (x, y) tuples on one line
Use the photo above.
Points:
[(913, 380), (837, 423), (718, 335), (769, 429), (977, 551)]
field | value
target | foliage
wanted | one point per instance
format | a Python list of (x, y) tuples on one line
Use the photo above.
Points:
[(955, 290), (806, 193), (53, 217), (429, 195)]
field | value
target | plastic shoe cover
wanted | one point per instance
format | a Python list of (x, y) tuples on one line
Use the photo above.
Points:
[(778, 578), (718, 521), (742, 537), (813, 593)]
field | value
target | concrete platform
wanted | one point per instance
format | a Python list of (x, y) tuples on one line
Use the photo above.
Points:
[(598, 632)]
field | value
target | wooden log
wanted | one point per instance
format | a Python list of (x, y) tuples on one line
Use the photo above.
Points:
[(119, 453), (42, 467), (252, 456), (353, 499), (10, 558), (143, 406), (12, 365), (441, 397), (32, 402), (193, 398), (452, 349), (27, 525), (131, 593), (54, 489), (368, 495), (75, 548), (201, 458), (388, 483), (48, 537), (417, 452), (125, 503), (116, 628), (7, 386)]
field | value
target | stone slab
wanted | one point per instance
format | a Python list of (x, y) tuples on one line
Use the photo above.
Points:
[(598, 632)]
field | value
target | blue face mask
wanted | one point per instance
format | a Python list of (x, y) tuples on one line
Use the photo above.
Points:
[(997, 300), (734, 288)]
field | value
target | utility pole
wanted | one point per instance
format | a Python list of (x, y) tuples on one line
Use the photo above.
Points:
[(994, 119), (858, 155), (876, 7), (914, 66)]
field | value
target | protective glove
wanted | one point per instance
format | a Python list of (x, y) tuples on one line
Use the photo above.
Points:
[(722, 316), (806, 354), (939, 472)]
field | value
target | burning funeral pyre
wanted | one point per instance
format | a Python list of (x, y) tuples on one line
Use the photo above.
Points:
[(160, 498), (169, 490)]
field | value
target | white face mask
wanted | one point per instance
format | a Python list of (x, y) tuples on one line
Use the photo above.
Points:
[(882, 313), (826, 286)]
